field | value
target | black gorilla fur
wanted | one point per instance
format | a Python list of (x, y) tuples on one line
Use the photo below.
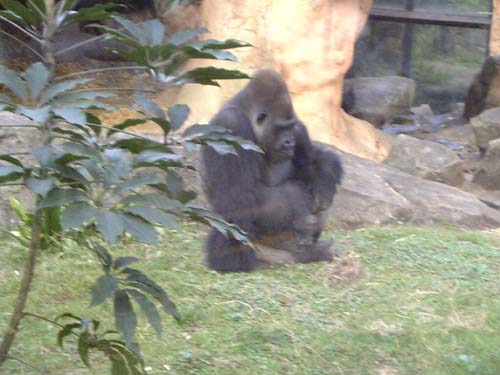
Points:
[(281, 193)]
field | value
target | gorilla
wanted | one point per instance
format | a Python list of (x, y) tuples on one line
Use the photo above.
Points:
[(280, 198)]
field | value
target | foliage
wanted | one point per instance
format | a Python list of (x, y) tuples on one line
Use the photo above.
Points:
[(103, 182)]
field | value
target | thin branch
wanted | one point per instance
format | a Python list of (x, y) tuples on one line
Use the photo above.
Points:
[(43, 318), (118, 131), (31, 35), (26, 282), (19, 153), (19, 126), (91, 40), (24, 363), (94, 71), (11, 184), (23, 43)]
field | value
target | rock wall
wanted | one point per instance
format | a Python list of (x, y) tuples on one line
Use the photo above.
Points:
[(495, 29), (310, 42)]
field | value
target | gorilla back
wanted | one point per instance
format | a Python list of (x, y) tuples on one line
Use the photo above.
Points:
[(283, 192)]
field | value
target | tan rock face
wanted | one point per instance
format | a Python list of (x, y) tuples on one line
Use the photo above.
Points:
[(495, 29), (311, 43)]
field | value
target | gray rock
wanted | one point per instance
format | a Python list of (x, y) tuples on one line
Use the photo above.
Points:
[(422, 110), (380, 99), (488, 173), (429, 160), (373, 194), (486, 127)]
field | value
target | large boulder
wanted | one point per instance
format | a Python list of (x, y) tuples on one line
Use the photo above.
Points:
[(372, 193), (486, 127), (426, 159), (380, 99), (281, 30), (488, 173), (484, 91)]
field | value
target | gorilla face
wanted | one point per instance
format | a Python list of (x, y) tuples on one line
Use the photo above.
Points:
[(273, 125)]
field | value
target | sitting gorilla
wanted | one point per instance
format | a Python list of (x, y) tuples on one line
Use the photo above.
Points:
[(280, 197)]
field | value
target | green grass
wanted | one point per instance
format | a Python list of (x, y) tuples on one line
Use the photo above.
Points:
[(426, 302)]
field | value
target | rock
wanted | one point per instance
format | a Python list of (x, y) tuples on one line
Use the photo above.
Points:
[(372, 194), (422, 110), (486, 127), (380, 99), (484, 91), (488, 173), (429, 160)]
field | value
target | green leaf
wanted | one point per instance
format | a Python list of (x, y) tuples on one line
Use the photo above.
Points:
[(126, 124), (78, 214), (93, 123), (13, 82), (148, 308), (118, 366), (163, 123), (43, 154), (78, 96), (10, 173), (61, 197), (103, 255), (110, 225), (136, 145), (222, 148), (122, 262), (138, 182), (103, 289), (154, 215), (183, 36), (217, 44), (71, 115), (28, 15), (59, 88), (208, 75), (151, 156), (178, 114), (141, 281), (140, 229), (83, 349), (198, 129), (155, 32), (38, 114), (37, 77), (125, 319), (40, 186), (134, 29), (150, 106), (66, 331), (195, 53), (97, 12), (154, 200)]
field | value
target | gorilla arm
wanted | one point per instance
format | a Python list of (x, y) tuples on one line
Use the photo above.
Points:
[(320, 170)]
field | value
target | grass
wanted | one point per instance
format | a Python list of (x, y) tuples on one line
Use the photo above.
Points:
[(403, 300)]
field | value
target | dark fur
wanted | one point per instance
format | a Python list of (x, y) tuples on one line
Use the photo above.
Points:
[(236, 187)]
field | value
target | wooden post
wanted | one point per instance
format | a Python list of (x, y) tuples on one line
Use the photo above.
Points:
[(407, 43)]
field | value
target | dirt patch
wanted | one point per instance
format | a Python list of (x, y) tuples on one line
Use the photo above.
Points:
[(343, 271)]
